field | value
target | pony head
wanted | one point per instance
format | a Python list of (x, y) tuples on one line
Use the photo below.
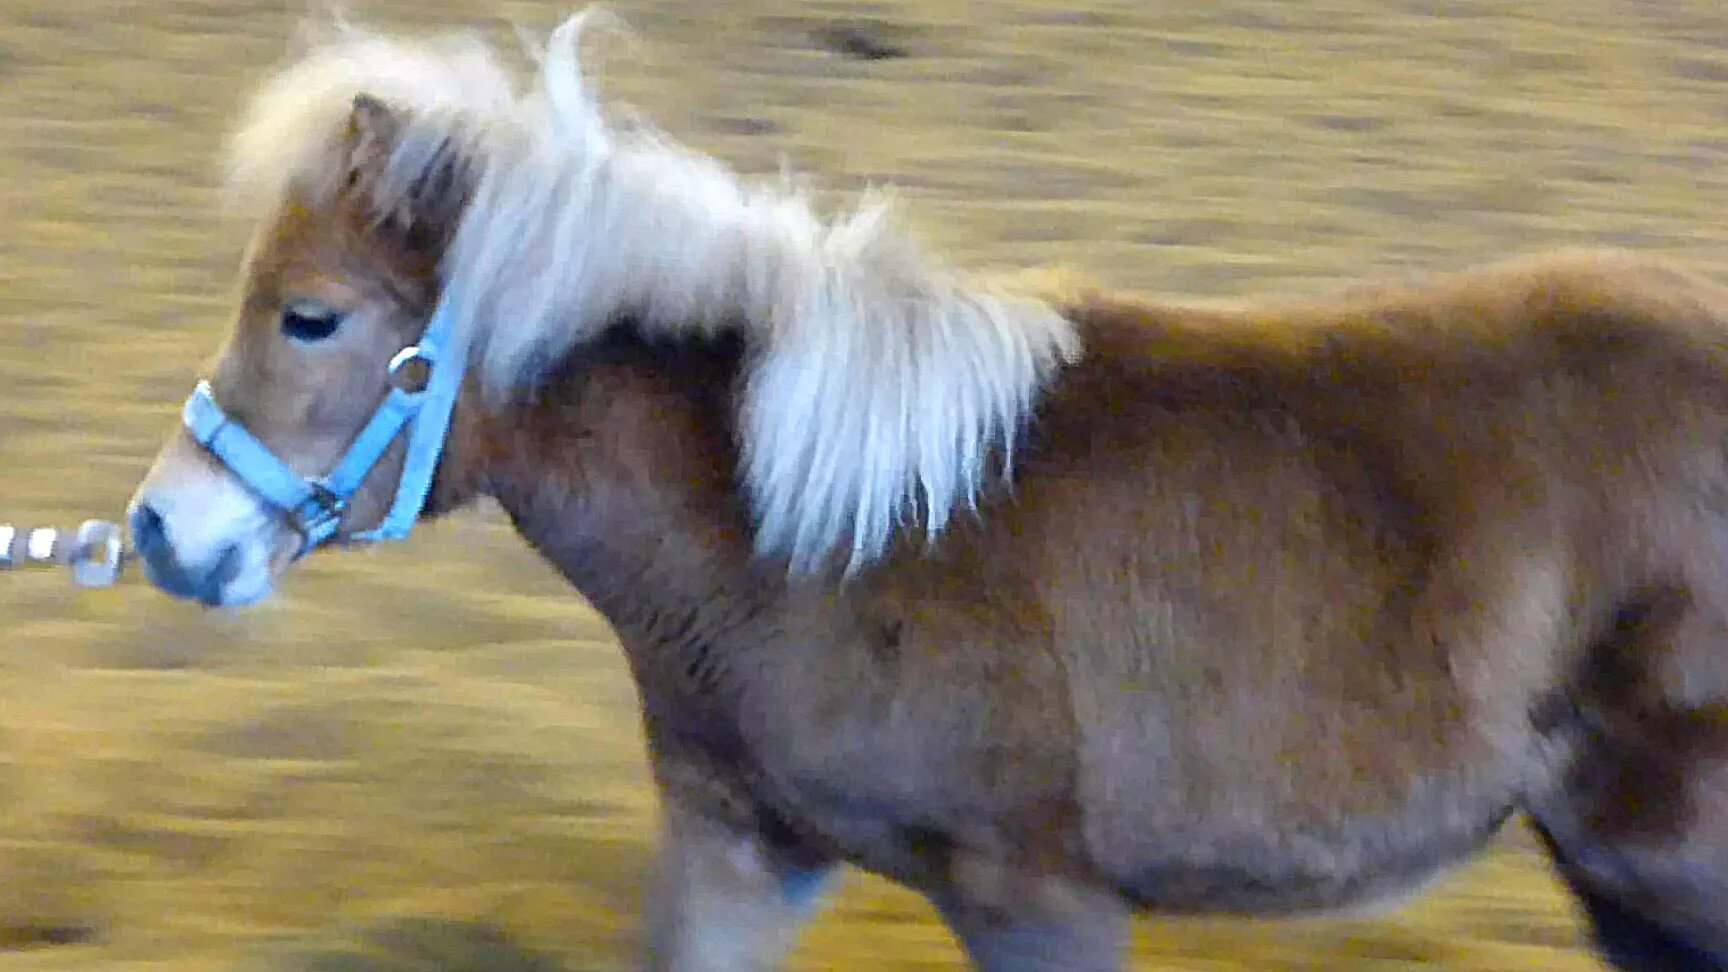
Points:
[(357, 199)]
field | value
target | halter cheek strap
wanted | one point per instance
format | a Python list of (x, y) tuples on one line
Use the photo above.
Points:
[(316, 505)]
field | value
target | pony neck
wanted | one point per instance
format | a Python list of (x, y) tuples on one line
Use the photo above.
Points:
[(622, 473)]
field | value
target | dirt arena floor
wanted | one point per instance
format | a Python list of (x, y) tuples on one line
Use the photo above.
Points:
[(426, 757)]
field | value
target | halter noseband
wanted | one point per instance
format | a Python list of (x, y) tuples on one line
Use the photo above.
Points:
[(316, 505)]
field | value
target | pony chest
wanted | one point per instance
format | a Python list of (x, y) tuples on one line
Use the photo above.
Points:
[(887, 772), (814, 742)]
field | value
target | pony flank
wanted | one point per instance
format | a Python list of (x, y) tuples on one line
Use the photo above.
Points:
[(1292, 604), (884, 380)]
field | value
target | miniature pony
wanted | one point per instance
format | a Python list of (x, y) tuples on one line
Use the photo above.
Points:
[(1051, 603)]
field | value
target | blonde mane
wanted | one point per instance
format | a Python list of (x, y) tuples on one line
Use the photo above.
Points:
[(879, 380)]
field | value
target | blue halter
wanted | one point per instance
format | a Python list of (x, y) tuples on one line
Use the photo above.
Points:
[(316, 505)]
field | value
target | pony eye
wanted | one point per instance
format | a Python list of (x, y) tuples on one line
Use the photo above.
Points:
[(304, 322)]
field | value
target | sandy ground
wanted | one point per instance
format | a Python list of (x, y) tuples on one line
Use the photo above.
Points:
[(426, 757)]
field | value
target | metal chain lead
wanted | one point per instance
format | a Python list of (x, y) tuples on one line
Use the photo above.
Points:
[(96, 552)]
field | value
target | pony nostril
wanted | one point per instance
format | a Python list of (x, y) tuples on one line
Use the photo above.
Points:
[(150, 539), (227, 568), (208, 590), (149, 532)]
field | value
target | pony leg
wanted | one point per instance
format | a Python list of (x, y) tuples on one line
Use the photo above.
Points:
[(1639, 831), (1642, 840), (1009, 921), (726, 900), (1629, 939)]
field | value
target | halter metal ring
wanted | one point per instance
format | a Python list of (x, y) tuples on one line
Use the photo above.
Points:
[(320, 515), (404, 374)]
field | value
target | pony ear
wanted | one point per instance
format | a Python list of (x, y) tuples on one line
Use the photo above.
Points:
[(416, 177), (374, 128)]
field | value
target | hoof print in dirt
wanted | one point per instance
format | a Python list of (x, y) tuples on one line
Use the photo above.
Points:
[(21, 936), (861, 40), (413, 944)]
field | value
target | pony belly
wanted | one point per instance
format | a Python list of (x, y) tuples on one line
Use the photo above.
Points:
[(1347, 878)]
